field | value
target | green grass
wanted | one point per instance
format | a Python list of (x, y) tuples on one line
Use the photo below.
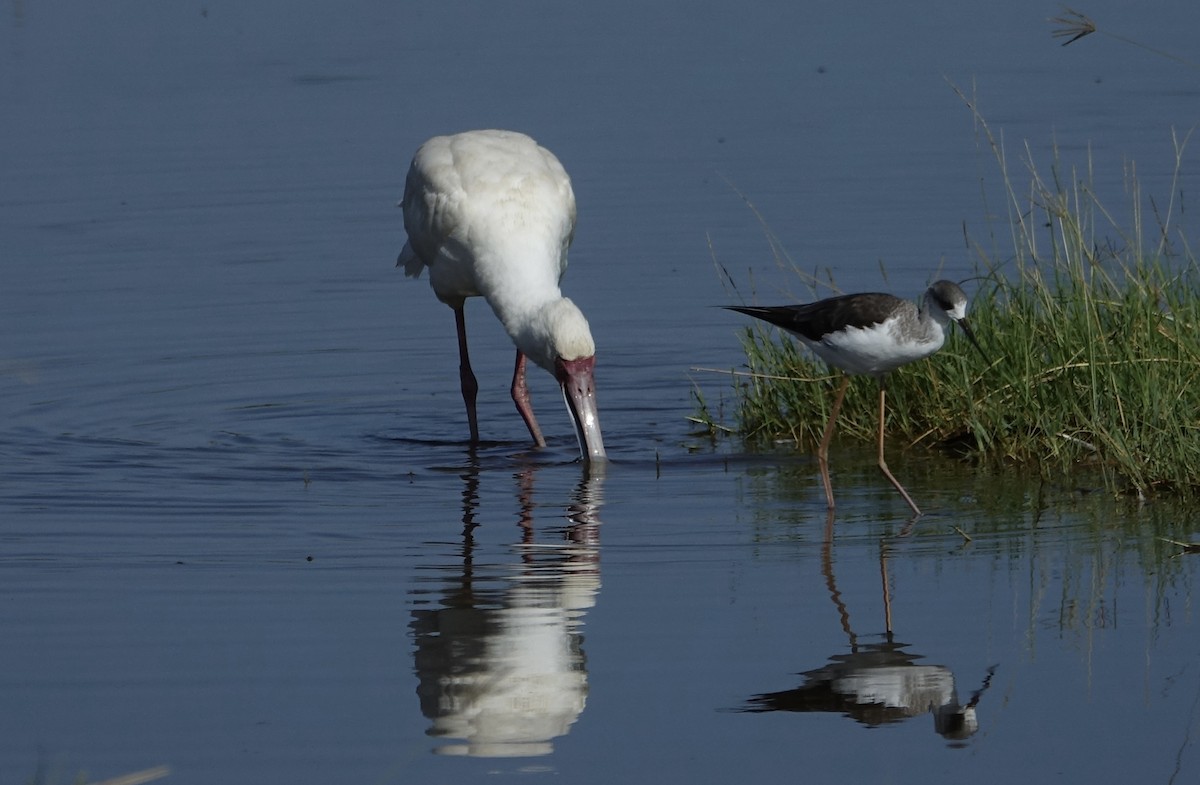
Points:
[(1092, 329)]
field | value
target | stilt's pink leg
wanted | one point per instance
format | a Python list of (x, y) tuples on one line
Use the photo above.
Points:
[(823, 449), (883, 464)]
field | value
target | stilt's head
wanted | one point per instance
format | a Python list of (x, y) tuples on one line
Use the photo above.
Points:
[(946, 302)]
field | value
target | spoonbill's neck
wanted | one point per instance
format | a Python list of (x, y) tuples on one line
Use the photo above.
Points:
[(550, 329)]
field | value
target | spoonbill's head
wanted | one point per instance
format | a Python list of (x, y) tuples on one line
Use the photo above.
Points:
[(556, 337), (577, 380)]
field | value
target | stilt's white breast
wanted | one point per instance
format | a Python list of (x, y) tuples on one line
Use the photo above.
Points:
[(879, 348)]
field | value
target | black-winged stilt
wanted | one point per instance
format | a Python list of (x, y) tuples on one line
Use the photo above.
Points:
[(871, 334)]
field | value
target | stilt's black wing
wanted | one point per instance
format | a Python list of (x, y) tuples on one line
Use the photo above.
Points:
[(815, 320)]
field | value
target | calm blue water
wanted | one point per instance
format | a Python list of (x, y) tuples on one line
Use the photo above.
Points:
[(241, 534)]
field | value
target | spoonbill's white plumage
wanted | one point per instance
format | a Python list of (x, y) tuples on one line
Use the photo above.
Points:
[(491, 214)]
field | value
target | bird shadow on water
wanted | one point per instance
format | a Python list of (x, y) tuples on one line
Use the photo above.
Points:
[(498, 644), (877, 681)]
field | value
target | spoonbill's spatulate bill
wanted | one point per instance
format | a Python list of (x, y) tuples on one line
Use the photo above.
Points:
[(491, 214), (870, 334)]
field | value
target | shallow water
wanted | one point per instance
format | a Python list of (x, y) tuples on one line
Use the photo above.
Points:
[(241, 533)]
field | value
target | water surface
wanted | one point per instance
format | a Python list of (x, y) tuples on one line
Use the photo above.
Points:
[(242, 535)]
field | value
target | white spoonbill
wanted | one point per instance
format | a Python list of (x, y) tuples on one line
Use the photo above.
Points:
[(491, 214)]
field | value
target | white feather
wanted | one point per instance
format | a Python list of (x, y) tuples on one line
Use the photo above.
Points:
[(491, 214)]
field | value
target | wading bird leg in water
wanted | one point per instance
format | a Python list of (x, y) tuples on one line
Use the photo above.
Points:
[(520, 396), (883, 467), (470, 387), (823, 449)]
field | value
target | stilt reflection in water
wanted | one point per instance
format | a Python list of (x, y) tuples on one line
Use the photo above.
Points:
[(878, 682), (499, 655)]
